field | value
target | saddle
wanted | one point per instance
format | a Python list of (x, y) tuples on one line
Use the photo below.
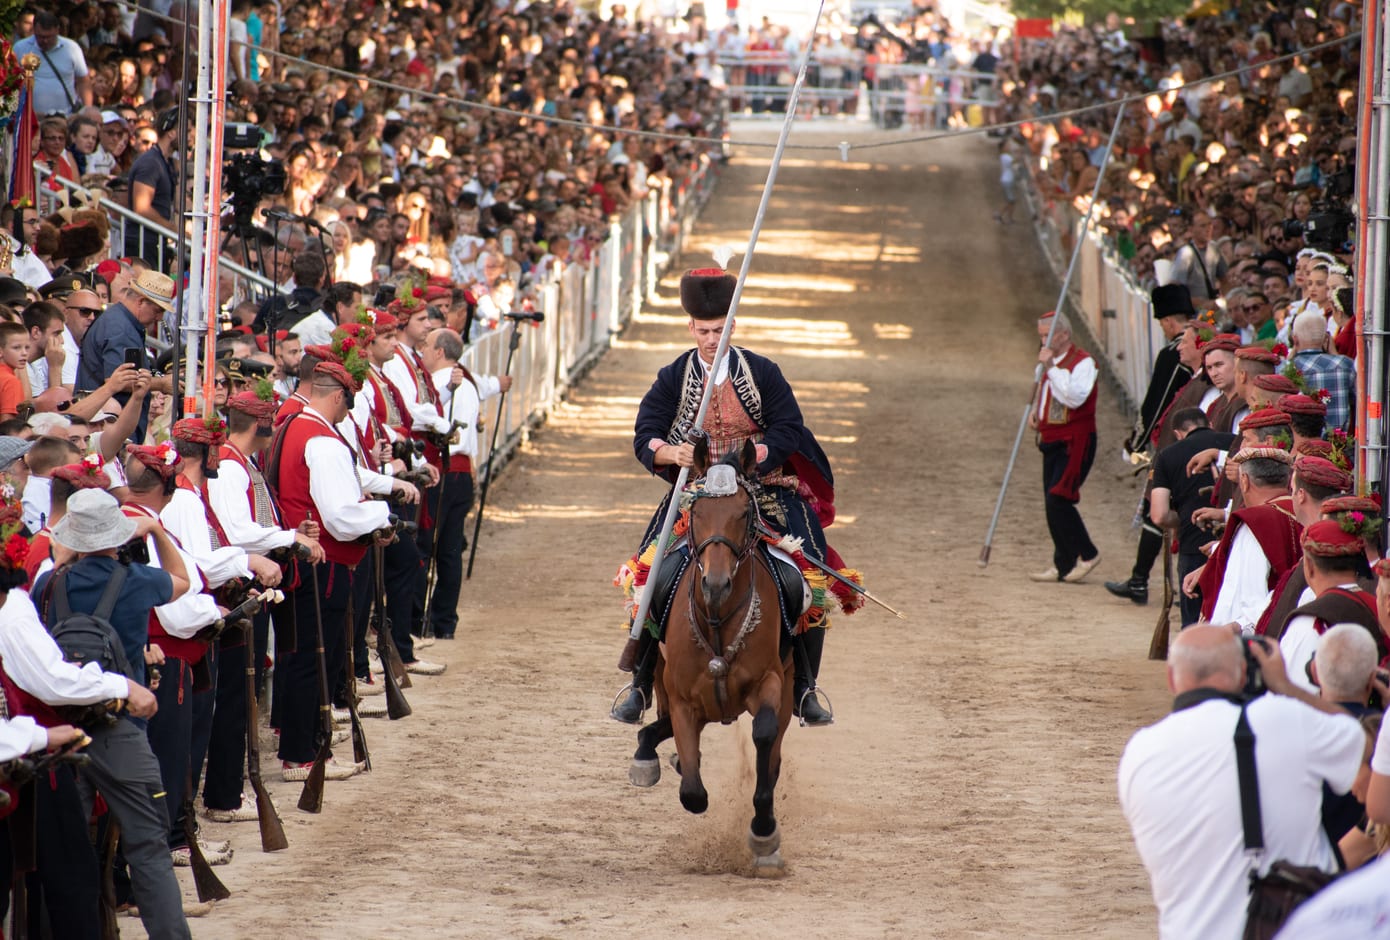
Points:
[(793, 593)]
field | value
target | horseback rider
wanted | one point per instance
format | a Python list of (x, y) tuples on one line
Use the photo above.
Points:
[(751, 402)]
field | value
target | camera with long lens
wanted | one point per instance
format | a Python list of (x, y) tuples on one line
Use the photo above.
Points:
[(1328, 226), (1254, 678)]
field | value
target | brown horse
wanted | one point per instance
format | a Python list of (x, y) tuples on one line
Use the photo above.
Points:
[(722, 653)]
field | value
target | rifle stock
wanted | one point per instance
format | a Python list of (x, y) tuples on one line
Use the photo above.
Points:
[(396, 705), (205, 880), (1158, 646), (360, 754), (272, 829), (311, 798), (389, 655)]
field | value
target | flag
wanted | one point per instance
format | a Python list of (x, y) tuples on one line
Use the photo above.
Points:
[(1040, 28), (26, 129)]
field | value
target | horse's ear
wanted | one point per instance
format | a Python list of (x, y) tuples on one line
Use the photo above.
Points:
[(701, 455), (749, 458)]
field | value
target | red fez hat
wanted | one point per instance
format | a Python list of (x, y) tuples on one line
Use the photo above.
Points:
[(436, 292), (382, 320), (1320, 471), (706, 293), (321, 353), (249, 403), (1302, 405), (1327, 539), (1258, 354), (1276, 383), (85, 475), (212, 432), (1264, 418), (163, 459), (1364, 504), (336, 372), (1229, 342)]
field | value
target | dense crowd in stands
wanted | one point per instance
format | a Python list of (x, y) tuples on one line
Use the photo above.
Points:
[(336, 457), (1229, 202)]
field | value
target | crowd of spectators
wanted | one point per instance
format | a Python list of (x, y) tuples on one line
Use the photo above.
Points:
[(400, 174), (1236, 167), (1229, 202)]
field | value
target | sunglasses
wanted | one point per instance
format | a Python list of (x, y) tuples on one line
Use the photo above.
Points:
[(86, 311), (220, 383)]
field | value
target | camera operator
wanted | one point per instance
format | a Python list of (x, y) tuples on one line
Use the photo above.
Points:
[(1194, 848), (123, 767), (153, 179)]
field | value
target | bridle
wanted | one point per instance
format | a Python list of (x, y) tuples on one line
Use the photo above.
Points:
[(720, 659)]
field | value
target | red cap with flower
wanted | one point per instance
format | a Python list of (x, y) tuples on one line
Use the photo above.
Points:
[(350, 343), (410, 297), (86, 474), (1302, 405), (163, 459), (1331, 539)]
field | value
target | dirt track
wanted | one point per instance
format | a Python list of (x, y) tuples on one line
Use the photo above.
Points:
[(967, 787)]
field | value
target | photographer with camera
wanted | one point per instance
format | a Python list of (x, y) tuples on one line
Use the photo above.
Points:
[(87, 546), (1178, 780)]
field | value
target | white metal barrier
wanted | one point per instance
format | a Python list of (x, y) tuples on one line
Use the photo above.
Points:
[(589, 306), (1105, 301)]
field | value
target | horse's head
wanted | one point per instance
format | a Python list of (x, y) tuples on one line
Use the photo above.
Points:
[(723, 521)]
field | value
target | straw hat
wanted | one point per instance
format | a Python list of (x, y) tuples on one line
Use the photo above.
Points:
[(155, 287), (93, 523)]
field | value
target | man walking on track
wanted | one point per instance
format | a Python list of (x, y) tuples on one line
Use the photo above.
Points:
[(1065, 419)]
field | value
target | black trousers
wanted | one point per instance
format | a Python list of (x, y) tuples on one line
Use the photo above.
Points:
[(1070, 540), (65, 883), (450, 525), (301, 721), (401, 563), (227, 745), (1191, 607), (171, 740)]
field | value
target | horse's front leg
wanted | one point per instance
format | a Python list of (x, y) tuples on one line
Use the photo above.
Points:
[(646, 767), (685, 729), (764, 838)]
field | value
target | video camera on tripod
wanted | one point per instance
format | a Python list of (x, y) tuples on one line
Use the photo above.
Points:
[(247, 177)]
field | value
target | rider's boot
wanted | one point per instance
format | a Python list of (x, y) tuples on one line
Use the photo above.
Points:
[(630, 708), (807, 706)]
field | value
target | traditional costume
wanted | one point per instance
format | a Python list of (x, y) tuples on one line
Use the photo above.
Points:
[(751, 401)]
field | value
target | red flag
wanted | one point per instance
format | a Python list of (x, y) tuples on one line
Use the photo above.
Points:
[(1040, 28)]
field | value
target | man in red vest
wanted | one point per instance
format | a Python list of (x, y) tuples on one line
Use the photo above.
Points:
[(1260, 543), (1065, 419), (314, 472)]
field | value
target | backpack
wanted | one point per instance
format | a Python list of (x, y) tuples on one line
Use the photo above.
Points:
[(88, 638)]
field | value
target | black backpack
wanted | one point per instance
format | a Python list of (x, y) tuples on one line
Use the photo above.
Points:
[(88, 638)]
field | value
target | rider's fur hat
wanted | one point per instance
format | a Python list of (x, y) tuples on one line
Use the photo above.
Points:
[(706, 293)]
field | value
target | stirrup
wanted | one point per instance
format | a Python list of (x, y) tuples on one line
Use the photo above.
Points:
[(816, 694), (622, 693)]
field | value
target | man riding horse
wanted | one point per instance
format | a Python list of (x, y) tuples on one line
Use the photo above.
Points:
[(751, 402)]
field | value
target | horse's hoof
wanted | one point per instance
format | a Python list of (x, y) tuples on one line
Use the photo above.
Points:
[(765, 846), (644, 773), (769, 866), (695, 803)]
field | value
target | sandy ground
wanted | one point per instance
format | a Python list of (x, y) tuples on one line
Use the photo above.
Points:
[(967, 787)]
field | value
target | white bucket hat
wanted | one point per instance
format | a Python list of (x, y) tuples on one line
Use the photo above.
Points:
[(93, 523)]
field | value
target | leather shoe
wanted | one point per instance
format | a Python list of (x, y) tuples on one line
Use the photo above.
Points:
[(1083, 568), (1133, 590), (1049, 575), (629, 710), (811, 712)]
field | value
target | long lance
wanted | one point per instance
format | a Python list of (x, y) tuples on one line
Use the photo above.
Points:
[(1038, 369), (673, 508), (826, 569)]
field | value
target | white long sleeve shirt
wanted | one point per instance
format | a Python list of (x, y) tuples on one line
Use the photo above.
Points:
[(34, 662), (423, 415), (1244, 593), (336, 487), (190, 611), (1068, 387), (186, 519), (227, 496), (462, 406)]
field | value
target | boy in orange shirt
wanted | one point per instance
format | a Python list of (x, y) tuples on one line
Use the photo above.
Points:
[(14, 358)]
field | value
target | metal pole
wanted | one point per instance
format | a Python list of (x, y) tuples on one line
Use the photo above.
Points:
[(1038, 369), (180, 207), (216, 114), (673, 507), (1367, 234), (514, 342), (193, 294)]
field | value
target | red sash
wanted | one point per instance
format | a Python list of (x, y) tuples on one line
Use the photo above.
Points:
[(1274, 527)]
